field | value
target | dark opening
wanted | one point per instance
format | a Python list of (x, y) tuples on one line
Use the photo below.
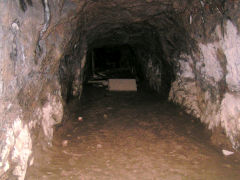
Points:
[(111, 62)]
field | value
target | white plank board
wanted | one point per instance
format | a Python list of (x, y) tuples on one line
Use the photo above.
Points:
[(122, 85)]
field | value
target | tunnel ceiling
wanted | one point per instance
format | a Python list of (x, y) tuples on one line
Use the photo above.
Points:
[(139, 22), (133, 22)]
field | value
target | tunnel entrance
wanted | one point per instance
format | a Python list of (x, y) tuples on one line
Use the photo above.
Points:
[(138, 50)]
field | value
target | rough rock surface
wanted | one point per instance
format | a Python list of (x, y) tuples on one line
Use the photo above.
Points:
[(214, 97), (43, 53), (30, 96)]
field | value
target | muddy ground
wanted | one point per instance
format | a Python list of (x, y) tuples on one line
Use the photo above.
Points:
[(128, 136)]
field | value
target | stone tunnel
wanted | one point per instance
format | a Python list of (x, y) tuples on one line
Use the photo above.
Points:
[(186, 51)]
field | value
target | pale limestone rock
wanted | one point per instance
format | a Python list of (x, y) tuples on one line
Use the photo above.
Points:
[(199, 102), (230, 117), (52, 113), (18, 138), (209, 65), (230, 45)]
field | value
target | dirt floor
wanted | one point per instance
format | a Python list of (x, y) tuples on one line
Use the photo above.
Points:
[(128, 136)]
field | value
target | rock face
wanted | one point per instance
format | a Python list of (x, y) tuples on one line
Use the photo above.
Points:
[(209, 88), (187, 47), (30, 92)]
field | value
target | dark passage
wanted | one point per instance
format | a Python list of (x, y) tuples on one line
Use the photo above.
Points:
[(112, 61), (139, 51)]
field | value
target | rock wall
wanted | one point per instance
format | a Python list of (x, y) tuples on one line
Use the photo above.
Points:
[(33, 38), (153, 69), (149, 68), (207, 82), (72, 68)]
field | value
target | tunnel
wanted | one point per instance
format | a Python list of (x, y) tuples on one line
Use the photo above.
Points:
[(138, 47), (61, 120)]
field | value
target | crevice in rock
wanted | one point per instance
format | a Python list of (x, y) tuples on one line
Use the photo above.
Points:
[(40, 43), (23, 4)]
